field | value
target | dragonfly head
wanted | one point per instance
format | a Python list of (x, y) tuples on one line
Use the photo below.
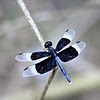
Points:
[(48, 44)]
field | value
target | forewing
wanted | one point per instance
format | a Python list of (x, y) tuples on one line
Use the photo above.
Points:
[(66, 39), (24, 57), (72, 52), (40, 68)]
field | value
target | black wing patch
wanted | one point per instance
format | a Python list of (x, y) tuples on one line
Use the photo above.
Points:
[(37, 55), (62, 43), (68, 54), (66, 39), (25, 57), (46, 65)]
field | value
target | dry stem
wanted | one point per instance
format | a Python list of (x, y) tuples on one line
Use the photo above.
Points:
[(31, 22), (40, 38), (48, 84)]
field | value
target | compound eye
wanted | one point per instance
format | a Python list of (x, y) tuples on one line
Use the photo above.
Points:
[(48, 44)]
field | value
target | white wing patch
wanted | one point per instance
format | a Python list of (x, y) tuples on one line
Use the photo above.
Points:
[(26, 57), (23, 57), (79, 46), (30, 71), (69, 34)]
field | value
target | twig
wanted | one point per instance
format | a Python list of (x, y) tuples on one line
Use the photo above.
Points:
[(48, 83), (40, 38), (32, 23)]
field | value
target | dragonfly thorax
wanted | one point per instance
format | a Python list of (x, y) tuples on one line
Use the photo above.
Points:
[(48, 44), (52, 51)]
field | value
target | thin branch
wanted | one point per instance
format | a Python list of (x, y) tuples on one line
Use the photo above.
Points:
[(40, 38), (48, 83), (32, 23)]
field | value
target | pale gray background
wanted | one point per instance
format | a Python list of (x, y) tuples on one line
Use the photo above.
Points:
[(52, 17)]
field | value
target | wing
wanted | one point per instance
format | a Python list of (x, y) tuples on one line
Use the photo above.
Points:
[(72, 52), (66, 39), (24, 57), (40, 68)]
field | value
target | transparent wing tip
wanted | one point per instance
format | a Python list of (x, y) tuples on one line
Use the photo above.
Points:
[(69, 34), (71, 31), (30, 71), (23, 57), (19, 57), (79, 46), (26, 72)]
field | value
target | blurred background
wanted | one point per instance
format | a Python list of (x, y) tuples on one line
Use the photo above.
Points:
[(52, 17)]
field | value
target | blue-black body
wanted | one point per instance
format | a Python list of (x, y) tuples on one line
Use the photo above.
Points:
[(54, 54)]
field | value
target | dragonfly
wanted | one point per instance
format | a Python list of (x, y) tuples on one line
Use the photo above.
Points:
[(45, 61)]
